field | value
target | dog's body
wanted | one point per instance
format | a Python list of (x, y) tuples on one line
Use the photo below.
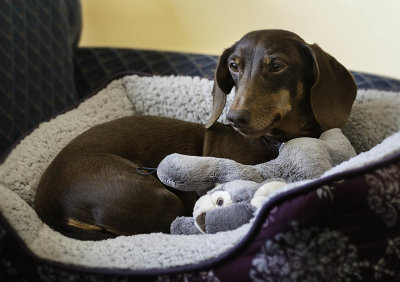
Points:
[(92, 189)]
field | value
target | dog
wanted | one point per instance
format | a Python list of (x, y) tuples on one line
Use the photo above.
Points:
[(285, 88)]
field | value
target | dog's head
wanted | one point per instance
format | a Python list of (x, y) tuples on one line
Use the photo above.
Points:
[(285, 88)]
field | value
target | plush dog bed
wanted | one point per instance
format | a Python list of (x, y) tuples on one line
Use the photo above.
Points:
[(344, 225)]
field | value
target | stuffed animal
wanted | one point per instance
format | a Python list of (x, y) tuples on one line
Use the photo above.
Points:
[(226, 207), (299, 158)]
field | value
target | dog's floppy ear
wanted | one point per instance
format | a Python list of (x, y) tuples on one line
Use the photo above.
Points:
[(223, 84), (333, 92)]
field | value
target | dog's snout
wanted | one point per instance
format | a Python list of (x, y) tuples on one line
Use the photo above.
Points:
[(239, 118)]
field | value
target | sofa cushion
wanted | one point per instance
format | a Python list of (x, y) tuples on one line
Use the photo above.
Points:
[(93, 66), (37, 41)]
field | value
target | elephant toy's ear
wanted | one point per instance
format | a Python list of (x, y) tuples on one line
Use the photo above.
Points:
[(264, 191), (227, 218)]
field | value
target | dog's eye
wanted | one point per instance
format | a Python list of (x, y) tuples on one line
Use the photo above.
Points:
[(234, 67), (277, 67)]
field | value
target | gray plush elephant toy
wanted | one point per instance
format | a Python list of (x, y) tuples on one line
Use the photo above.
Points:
[(226, 207), (300, 158)]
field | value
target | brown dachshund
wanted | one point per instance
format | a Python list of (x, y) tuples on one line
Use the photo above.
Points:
[(285, 88)]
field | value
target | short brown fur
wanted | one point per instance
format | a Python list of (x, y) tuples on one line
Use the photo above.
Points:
[(92, 189), (321, 91)]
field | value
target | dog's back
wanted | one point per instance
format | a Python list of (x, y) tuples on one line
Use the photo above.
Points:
[(92, 189)]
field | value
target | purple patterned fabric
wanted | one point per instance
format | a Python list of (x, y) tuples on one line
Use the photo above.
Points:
[(346, 229)]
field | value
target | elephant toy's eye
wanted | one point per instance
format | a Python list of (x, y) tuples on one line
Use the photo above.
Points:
[(220, 199)]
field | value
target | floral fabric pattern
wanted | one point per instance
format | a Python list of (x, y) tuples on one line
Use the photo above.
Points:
[(387, 267), (306, 254), (326, 192), (50, 274), (203, 276), (270, 219), (384, 194)]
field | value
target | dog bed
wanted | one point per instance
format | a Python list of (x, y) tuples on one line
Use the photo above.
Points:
[(342, 226)]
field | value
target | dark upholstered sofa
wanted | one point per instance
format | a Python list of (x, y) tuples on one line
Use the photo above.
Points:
[(43, 72)]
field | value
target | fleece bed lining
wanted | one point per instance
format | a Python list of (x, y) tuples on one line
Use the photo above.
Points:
[(373, 134)]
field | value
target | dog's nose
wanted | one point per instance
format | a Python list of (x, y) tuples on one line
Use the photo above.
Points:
[(239, 118)]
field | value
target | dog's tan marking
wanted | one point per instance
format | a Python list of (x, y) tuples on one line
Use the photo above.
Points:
[(283, 103), (300, 91), (266, 107), (82, 225), (87, 226), (267, 60)]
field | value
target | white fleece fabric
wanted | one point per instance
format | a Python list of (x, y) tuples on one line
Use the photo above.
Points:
[(375, 118)]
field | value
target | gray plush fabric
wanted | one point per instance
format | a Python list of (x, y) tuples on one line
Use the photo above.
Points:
[(192, 173), (226, 207), (308, 158), (233, 215), (180, 97), (184, 226), (228, 219), (300, 158)]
